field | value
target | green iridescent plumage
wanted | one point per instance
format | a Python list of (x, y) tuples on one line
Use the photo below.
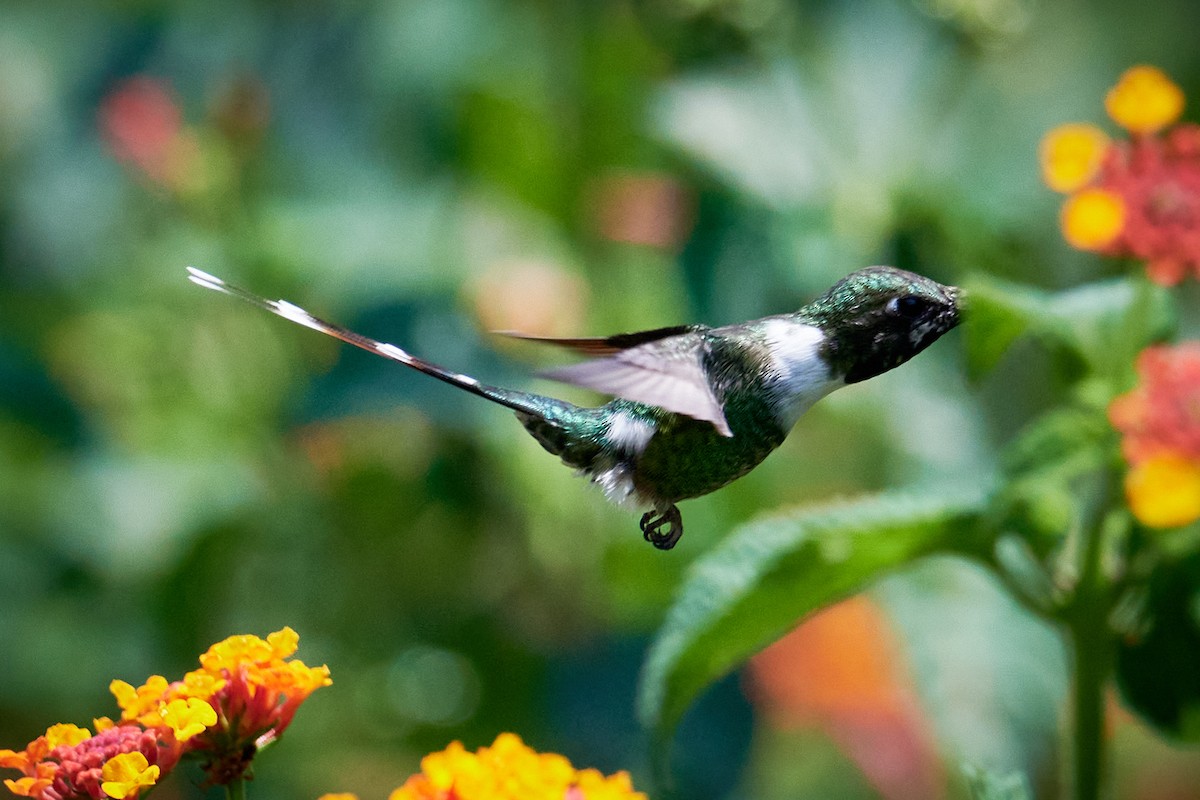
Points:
[(698, 407)]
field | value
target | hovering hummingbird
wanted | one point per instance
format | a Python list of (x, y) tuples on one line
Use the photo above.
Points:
[(696, 407)]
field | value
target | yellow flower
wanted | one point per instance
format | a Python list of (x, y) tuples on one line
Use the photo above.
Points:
[(338, 796), (1144, 100), (509, 770), (1092, 218), (188, 717), (1164, 491), (1070, 155), (235, 650), (66, 733), (126, 774), (143, 700)]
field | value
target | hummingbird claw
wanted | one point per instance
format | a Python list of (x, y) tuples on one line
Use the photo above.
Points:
[(653, 522)]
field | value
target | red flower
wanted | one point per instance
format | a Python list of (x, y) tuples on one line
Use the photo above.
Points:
[(1160, 420), (143, 127), (1137, 198)]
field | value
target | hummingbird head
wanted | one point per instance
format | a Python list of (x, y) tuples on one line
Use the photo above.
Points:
[(879, 317)]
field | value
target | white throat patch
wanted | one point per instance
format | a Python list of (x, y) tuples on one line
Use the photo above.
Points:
[(803, 378)]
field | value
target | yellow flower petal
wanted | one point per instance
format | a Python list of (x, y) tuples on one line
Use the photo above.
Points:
[(1070, 155), (1164, 491), (1144, 100), (1092, 218), (65, 733), (338, 796), (187, 718), (125, 774)]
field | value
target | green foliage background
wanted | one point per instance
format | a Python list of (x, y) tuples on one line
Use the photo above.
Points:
[(176, 467)]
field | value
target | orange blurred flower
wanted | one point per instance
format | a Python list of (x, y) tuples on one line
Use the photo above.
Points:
[(1138, 198), (1160, 425), (509, 770), (1164, 491), (842, 671), (1093, 218), (1144, 100), (1071, 155), (242, 698)]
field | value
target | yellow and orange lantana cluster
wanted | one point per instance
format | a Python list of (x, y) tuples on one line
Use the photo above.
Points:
[(242, 697), (1138, 197), (508, 770), (1160, 425)]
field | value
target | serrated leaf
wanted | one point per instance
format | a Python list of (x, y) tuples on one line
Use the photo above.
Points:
[(771, 573)]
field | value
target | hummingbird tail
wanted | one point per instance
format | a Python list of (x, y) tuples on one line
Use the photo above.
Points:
[(522, 402)]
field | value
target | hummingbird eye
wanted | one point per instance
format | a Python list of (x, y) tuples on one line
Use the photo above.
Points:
[(908, 306)]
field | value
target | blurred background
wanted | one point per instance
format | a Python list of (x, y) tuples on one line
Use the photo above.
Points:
[(176, 467)]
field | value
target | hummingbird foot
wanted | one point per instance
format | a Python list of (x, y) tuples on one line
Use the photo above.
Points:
[(652, 527)]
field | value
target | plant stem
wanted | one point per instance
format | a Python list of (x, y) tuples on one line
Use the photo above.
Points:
[(1092, 648), (236, 790), (1092, 659)]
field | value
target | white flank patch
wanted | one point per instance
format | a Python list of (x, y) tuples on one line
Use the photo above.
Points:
[(629, 434), (617, 483), (803, 377), (296, 314)]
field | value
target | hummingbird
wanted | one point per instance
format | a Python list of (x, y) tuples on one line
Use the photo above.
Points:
[(695, 407)]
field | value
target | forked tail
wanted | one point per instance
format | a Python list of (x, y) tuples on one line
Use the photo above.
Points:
[(523, 402)]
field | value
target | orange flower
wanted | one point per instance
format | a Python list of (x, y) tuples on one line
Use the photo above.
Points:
[(1093, 218), (1071, 155), (1137, 198), (1144, 100), (1160, 423), (842, 671), (509, 770), (1164, 491), (242, 698)]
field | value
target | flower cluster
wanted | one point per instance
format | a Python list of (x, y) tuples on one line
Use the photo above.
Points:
[(1160, 424), (243, 697), (1138, 197), (508, 770), (69, 762)]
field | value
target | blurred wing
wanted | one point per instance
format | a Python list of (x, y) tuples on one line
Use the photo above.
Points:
[(665, 371), (608, 345)]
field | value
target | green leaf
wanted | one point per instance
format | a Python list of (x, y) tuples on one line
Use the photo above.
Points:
[(1157, 668), (1041, 468), (1109, 323), (997, 314), (771, 573), (1105, 324)]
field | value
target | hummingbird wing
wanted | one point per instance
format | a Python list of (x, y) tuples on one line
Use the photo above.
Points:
[(606, 345), (662, 367)]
